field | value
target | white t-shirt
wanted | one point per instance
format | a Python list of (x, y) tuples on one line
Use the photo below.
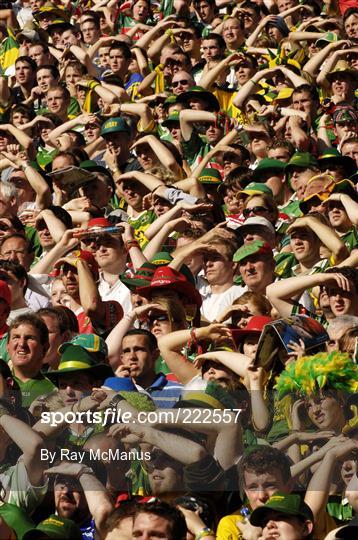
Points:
[(214, 304), (118, 292)]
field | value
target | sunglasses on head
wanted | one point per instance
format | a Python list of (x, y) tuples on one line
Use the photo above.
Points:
[(254, 210)]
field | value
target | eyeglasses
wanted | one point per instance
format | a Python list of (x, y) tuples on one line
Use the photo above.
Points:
[(177, 83), (159, 317), (254, 210)]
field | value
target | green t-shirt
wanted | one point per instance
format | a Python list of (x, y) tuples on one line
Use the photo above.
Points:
[(33, 388), (350, 239)]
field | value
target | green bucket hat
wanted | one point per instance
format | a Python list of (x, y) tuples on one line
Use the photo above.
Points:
[(173, 118), (210, 176), (301, 160), (268, 165), (200, 93), (115, 125), (55, 527), (292, 505), (254, 248)]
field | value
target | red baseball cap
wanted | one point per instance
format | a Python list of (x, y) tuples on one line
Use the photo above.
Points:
[(166, 277), (254, 326), (5, 293)]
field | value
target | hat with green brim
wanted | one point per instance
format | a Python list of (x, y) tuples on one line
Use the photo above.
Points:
[(141, 278), (268, 165), (200, 93), (213, 397), (115, 125), (301, 160), (173, 118), (55, 527), (16, 518), (171, 100), (76, 358), (342, 68), (328, 37), (258, 247), (332, 155), (91, 165), (59, 23), (210, 176), (289, 504), (47, 8), (256, 188)]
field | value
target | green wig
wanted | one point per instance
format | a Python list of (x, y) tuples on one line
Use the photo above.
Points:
[(310, 374)]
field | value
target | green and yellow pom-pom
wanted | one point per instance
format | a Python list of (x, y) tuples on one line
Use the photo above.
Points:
[(309, 374)]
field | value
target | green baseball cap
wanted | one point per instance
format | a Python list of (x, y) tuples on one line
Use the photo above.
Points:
[(328, 37), (55, 527), (173, 118), (115, 125), (210, 176), (292, 505), (141, 278), (268, 165), (92, 166), (254, 248), (302, 160), (91, 342), (257, 188), (170, 100)]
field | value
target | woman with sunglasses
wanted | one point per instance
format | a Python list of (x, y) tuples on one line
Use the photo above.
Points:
[(261, 205)]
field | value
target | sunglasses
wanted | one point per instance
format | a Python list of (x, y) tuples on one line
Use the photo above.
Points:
[(254, 210), (330, 205), (182, 82), (159, 317)]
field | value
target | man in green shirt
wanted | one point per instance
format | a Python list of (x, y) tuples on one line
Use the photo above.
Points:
[(27, 345)]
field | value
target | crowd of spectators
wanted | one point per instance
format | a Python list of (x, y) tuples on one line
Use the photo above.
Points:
[(178, 269)]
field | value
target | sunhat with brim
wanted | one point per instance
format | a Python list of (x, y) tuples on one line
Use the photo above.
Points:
[(342, 68), (47, 8), (78, 359), (319, 186), (210, 176), (141, 277), (115, 125), (59, 23), (332, 155), (268, 165), (16, 518), (258, 247), (289, 504), (30, 34), (55, 527), (200, 93), (257, 188), (255, 326), (165, 277), (301, 160), (252, 224), (91, 342), (173, 119)]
